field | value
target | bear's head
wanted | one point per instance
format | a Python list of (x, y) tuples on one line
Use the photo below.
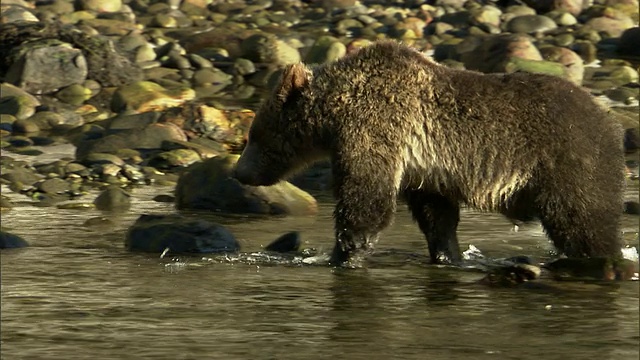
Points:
[(280, 138)]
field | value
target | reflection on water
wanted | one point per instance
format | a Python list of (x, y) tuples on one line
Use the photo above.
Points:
[(75, 293)]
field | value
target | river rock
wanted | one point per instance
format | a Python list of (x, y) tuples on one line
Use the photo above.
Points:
[(145, 96), (53, 186), (20, 175), (174, 158), (288, 242), (100, 6), (11, 241), (267, 48), (572, 6), (611, 22), (494, 52), (16, 101), (572, 61), (530, 24), (156, 233), (150, 137), (16, 13), (325, 49), (45, 66), (209, 186), (114, 198)]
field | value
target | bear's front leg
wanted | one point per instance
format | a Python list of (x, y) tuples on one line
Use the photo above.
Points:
[(366, 203)]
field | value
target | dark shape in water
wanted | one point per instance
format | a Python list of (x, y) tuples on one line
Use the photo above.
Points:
[(288, 242), (11, 241)]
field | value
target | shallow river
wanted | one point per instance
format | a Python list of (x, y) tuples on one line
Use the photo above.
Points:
[(77, 294)]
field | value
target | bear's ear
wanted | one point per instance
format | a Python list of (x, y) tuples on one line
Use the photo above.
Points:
[(294, 78)]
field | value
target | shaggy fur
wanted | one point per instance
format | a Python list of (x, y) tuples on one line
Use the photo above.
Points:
[(395, 123)]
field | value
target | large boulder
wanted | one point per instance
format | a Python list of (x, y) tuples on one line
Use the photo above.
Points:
[(44, 66), (156, 233), (209, 186)]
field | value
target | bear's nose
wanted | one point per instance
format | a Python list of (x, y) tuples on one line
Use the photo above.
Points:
[(241, 174)]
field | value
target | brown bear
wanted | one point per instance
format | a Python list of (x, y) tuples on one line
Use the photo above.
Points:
[(393, 122)]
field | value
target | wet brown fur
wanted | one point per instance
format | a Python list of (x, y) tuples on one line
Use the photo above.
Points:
[(394, 123)]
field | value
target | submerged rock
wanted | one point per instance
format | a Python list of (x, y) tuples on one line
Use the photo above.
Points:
[(209, 186), (286, 243), (156, 233), (10, 241), (113, 198)]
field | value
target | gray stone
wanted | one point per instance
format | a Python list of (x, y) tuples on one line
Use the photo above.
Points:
[(45, 66)]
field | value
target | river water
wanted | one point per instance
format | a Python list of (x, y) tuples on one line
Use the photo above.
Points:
[(75, 293)]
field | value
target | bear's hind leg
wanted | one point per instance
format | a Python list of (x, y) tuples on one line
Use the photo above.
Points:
[(579, 230), (438, 218)]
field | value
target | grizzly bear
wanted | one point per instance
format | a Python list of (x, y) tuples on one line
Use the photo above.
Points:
[(393, 122)]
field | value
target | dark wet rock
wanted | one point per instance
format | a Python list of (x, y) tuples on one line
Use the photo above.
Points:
[(164, 198), (592, 269), (631, 140), (208, 185), (53, 186), (113, 198), (288, 242), (45, 66), (632, 208), (11, 241), (145, 96), (20, 141), (156, 233), (629, 43)]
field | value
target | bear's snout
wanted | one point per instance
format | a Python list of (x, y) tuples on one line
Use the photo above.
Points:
[(243, 174)]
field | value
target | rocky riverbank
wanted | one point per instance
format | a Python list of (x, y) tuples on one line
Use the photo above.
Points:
[(163, 92)]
